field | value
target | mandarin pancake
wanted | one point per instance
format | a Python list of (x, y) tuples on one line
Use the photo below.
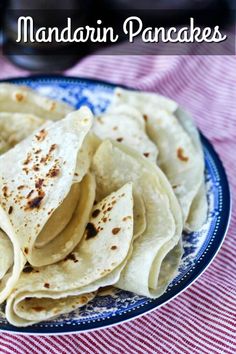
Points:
[(97, 261), (22, 99), (180, 153), (157, 250), (36, 177)]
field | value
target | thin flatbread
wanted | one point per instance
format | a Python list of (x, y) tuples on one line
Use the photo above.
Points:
[(179, 156), (125, 125), (198, 210), (15, 127), (42, 293), (35, 178), (22, 99), (114, 165)]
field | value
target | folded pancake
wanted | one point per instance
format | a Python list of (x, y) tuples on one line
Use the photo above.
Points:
[(7, 257), (198, 211), (157, 250), (37, 177), (179, 156), (97, 261), (15, 127), (125, 125), (21, 99), (139, 100)]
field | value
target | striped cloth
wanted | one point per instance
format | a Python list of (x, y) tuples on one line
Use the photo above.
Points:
[(202, 320)]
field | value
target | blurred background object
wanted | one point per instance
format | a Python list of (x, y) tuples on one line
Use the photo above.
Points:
[(47, 57), (53, 57)]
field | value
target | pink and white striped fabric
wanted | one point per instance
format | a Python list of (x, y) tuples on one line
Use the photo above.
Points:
[(202, 320)]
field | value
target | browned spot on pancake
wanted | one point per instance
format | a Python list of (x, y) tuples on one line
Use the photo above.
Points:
[(119, 140), (47, 285), (108, 209), (83, 299), (30, 193), (28, 159), (35, 202), (91, 231), (19, 97), (5, 191), (41, 135), (52, 148), (10, 210), (116, 230), (39, 183), (127, 218), (26, 250), (145, 117), (38, 151), (95, 213), (26, 170), (146, 154), (104, 219), (38, 308), (53, 172), (181, 156), (50, 211), (20, 187), (36, 167), (113, 247)]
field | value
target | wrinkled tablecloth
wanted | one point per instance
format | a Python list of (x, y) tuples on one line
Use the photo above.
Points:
[(203, 318)]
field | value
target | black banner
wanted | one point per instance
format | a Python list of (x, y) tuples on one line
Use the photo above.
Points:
[(119, 32)]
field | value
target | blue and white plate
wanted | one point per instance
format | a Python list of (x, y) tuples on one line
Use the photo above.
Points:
[(116, 306)]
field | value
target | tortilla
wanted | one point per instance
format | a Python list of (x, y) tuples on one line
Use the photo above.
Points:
[(179, 157), (139, 100), (7, 258), (126, 125), (35, 178), (60, 217), (79, 213), (15, 127), (198, 210), (97, 261), (114, 165), (21, 99)]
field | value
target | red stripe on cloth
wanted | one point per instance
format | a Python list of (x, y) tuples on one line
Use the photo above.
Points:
[(202, 320)]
